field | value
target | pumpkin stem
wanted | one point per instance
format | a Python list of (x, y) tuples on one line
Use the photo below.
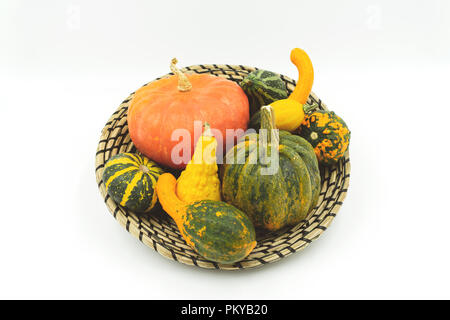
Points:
[(207, 130), (269, 136), (183, 81), (268, 123), (310, 108)]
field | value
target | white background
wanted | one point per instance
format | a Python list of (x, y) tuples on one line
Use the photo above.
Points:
[(65, 66)]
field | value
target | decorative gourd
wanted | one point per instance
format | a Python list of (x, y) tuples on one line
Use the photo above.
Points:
[(262, 88), (305, 76), (130, 180), (200, 181), (255, 120), (214, 229), (290, 112), (158, 109), (327, 133), (277, 200)]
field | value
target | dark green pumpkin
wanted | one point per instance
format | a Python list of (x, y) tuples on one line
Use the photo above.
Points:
[(262, 88), (218, 231), (130, 180), (272, 201)]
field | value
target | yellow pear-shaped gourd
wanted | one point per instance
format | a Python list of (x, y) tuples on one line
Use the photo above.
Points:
[(200, 180), (289, 112)]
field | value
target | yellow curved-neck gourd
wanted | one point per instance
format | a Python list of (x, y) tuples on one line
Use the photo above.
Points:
[(289, 112)]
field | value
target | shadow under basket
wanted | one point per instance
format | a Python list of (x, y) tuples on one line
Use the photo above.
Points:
[(158, 231)]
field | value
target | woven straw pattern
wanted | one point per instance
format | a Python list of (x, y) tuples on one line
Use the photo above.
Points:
[(158, 231)]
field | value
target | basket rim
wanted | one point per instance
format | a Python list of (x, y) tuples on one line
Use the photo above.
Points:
[(163, 236)]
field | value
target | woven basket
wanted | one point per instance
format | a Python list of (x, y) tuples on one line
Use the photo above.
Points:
[(158, 231)]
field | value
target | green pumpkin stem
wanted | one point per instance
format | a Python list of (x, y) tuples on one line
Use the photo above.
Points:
[(268, 123), (310, 108), (206, 127)]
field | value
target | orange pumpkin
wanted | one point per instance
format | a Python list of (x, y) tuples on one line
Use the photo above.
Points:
[(163, 106)]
